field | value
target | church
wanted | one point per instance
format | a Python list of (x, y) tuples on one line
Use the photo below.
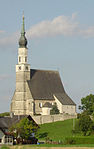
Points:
[(37, 90)]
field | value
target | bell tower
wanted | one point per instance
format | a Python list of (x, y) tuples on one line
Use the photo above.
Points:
[(18, 105)]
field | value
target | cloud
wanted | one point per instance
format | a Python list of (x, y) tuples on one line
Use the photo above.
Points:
[(4, 77), (74, 15), (61, 25), (89, 32), (8, 40)]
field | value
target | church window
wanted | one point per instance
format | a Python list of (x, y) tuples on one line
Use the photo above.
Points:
[(40, 105), (19, 59), (19, 67), (52, 103), (26, 67), (25, 59)]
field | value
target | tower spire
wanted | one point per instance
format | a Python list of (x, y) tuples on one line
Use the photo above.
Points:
[(23, 26), (23, 40)]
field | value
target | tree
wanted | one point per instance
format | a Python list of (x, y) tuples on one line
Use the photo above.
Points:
[(5, 114), (85, 123), (24, 129), (88, 104), (54, 110)]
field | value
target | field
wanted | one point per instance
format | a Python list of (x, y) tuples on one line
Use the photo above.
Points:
[(56, 131)]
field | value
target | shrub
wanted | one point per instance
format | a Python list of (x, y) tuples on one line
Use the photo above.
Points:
[(79, 140), (5, 114), (85, 123), (54, 110), (69, 141)]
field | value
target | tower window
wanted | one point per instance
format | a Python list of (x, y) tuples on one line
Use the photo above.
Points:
[(19, 67), (26, 67), (40, 105), (25, 59), (19, 59)]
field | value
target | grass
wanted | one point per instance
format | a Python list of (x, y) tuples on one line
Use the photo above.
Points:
[(57, 130)]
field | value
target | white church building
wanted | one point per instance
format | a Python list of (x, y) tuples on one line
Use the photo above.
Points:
[(37, 90)]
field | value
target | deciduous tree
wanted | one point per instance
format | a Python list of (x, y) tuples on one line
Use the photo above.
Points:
[(87, 104)]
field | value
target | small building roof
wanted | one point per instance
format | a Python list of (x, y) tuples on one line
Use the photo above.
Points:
[(64, 99), (6, 122)]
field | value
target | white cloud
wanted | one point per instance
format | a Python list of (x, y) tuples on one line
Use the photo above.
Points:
[(8, 40), (61, 25), (88, 32), (74, 15)]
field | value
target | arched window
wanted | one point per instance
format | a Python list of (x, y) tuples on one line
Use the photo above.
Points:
[(40, 105), (25, 59), (19, 59), (19, 67)]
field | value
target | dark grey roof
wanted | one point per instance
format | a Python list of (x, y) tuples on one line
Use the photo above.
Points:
[(43, 84), (6, 122), (48, 105), (64, 99)]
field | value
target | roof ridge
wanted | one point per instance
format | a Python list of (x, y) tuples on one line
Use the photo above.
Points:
[(46, 70)]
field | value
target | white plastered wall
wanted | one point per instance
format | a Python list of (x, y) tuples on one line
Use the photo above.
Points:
[(46, 111), (70, 109)]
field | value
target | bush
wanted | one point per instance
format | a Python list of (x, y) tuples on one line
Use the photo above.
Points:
[(54, 110), (85, 123), (4, 114), (69, 141), (78, 115), (79, 140)]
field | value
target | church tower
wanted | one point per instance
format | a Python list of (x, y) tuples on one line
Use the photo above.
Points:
[(18, 105)]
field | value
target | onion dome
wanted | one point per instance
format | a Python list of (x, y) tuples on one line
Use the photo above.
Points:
[(23, 40)]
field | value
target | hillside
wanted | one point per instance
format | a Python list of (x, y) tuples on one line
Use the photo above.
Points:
[(57, 130)]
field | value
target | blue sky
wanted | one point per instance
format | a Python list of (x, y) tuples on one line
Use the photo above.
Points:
[(60, 37)]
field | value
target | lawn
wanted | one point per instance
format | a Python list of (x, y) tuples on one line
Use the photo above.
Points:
[(57, 130)]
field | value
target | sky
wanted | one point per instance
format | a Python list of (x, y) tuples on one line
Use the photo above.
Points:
[(60, 36)]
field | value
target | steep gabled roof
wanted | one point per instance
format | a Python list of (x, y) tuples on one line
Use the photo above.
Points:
[(43, 84), (64, 99)]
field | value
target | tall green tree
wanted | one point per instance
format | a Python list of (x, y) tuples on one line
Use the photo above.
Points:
[(24, 129), (87, 104)]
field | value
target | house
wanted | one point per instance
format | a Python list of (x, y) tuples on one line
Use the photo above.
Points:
[(5, 123), (35, 88)]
